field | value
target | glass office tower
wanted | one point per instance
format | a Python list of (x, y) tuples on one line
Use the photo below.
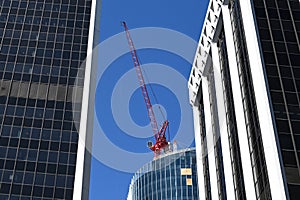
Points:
[(245, 79), (42, 46), (172, 176), (278, 25)]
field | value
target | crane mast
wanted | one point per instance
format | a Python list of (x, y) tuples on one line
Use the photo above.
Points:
[(161, 141)]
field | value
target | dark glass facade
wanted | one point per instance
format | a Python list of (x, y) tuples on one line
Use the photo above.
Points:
[(42, 45), (278, 24), (170, 177), (234, 145)]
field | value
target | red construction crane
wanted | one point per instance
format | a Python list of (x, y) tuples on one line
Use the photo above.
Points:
[(160, 135)]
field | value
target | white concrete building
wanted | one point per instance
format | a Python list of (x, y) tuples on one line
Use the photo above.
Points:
[(244, 90)]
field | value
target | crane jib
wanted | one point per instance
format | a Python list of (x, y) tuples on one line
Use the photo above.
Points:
[(159, 135)]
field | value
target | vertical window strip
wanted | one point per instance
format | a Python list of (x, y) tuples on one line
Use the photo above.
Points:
[(216, 137), (259, 167), (235, 154), (205, 163)]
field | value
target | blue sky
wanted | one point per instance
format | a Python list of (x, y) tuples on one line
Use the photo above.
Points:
[(186, 17)]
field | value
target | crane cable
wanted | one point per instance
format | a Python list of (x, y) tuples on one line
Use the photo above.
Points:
[(152, 91)]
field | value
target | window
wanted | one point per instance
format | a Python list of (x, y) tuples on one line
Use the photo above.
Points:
[(289, 158), (287, 25), (32, 155), (291, 98), (34, 144), (43, 156), (30, 166), (288, 84), (274, 83), (60, 181), (286, 141), (295, 60), (37, 191)]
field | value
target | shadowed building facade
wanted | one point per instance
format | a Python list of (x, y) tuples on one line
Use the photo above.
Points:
[(42, 47)]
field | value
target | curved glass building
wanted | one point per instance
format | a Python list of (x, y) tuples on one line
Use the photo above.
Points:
[(171, 176)]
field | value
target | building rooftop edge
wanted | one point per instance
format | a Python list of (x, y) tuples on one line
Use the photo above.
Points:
[(202, 59)]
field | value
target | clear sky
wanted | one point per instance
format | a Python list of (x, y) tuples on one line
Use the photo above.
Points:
[(167, 62)]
